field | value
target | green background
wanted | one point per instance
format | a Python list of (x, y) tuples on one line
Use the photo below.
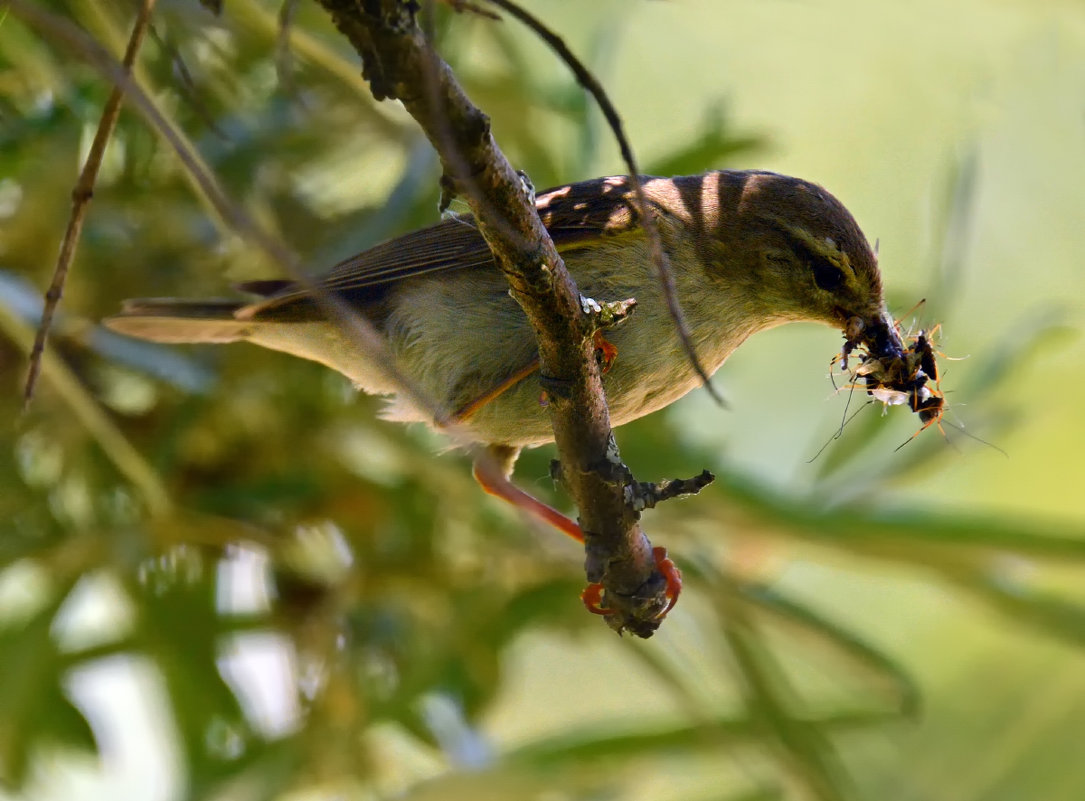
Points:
[(251, 587)]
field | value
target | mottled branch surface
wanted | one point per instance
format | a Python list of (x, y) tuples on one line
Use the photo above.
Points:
[(400, 64)]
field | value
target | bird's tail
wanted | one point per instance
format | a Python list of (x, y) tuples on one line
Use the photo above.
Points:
[(170, 320)]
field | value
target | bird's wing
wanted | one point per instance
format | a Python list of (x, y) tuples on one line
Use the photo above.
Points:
[(575, 215)]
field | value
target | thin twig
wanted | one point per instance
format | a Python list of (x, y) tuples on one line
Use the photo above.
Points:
[(231, 213), (354, 326), (81, 195), (646, 495), (655, 245)]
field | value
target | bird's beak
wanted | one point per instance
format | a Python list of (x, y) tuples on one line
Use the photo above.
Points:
[(876, 332)]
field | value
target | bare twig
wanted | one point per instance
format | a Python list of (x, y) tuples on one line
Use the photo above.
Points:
[(81, 195), (399, 63), (655, 245), (645, 495)]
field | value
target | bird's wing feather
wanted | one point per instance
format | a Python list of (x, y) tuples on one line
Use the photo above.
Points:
[(575, 215)]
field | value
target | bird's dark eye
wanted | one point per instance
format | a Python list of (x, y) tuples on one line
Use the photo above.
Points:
[(826, 275)]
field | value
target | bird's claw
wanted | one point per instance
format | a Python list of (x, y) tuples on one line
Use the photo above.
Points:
[(592, 596)]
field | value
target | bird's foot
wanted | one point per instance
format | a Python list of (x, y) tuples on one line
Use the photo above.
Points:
[(592, 596)]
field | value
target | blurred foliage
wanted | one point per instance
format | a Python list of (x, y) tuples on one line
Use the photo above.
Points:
[(170, 512)]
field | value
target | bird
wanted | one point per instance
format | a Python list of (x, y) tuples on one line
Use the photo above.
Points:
[(748, 250)]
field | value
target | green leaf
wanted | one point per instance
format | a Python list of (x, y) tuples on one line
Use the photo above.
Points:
[(35, 710), (927, 537), (803, 747), (803, 620), (179, 628), (716, 145), (601, 743), (1039, 610)]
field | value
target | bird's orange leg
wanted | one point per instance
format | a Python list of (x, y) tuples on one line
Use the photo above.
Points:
[(492, 479), (492, 471)]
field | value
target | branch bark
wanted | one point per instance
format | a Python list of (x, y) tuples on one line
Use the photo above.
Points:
[(400, 64)]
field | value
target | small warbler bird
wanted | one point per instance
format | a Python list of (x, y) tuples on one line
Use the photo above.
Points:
[(748, 251)]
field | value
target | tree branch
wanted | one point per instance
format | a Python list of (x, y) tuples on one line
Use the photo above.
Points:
[(400, 64)]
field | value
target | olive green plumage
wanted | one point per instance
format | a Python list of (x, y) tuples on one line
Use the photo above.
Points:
[(748, 251)]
